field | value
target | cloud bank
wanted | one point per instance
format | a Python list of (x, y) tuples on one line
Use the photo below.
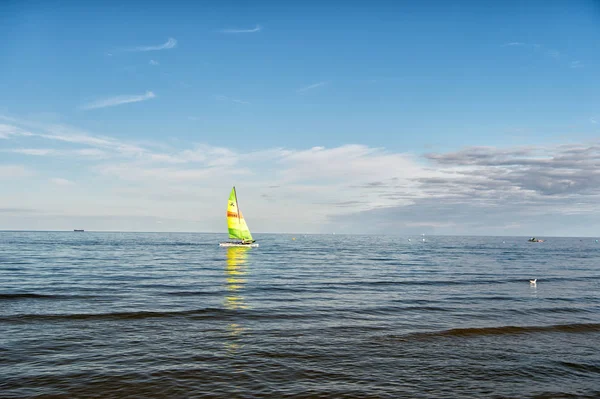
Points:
[(349, 188)]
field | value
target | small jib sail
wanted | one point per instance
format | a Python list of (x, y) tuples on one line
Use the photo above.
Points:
[(236, 224)]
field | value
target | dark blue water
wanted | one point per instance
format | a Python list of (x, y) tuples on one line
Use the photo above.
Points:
[(115, 315)]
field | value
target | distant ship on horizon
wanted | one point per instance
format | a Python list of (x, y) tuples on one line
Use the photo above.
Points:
[(79, 230)]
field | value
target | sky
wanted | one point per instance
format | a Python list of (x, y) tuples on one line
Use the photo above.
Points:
[(375, 117)]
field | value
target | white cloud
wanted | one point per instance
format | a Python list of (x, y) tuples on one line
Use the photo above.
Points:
[(33, 151), (119, 100), (169, 44), (311, 87), (7, 131), (13, 172), (97, 147), (153, 62), (59, 181), (84, 153), (257, 28), (140, 173), (92, 153)]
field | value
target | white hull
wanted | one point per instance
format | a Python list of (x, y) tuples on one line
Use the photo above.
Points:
[(237, 244)]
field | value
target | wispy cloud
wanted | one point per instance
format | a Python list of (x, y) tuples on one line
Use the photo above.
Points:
[(233, 100), (576, 64), (310, 87), (550, 52), (83, 153), (153, 62), (257, 28), (97, 147), (92, 153), (594, 120), (33, 151), (59, 181), (118, 100), (13, 172), (169, 44), (553, 53), (7, 131)]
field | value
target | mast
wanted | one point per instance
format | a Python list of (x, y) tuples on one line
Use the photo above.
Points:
[(237, 204)]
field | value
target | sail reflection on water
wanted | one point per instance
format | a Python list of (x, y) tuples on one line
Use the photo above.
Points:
[(235, 271)]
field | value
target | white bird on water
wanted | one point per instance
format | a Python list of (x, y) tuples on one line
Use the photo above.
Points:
[(533, 282)]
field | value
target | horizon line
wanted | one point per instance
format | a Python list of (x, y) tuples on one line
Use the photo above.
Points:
[(275, 233)]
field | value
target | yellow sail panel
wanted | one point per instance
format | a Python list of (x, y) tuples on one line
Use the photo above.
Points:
[(238, 229), (246, 235)]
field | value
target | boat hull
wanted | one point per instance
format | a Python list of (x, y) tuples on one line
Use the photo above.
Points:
[(237, 244)]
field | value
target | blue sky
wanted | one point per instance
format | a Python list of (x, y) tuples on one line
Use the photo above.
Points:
[(140, 116)]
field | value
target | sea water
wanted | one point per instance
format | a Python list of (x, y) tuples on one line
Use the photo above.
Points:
[(114, 315)]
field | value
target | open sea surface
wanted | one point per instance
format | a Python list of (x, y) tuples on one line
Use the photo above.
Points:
[(173, 315)]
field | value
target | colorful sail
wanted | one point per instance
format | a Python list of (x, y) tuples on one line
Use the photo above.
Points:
[(238, 229)]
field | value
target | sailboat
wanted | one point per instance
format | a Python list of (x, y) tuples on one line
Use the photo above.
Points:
[(238, 229)]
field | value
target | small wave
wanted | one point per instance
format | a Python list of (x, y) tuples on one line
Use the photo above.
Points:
[(31, 295), (402, 308), (191, 293), (199, 313), (504, 330), (544, 310), (581, 367)]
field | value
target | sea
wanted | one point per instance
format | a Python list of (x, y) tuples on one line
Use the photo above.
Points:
[(173, 315)]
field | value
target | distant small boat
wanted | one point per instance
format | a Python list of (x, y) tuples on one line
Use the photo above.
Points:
[(236, 224), (79, 230), (533, 239)]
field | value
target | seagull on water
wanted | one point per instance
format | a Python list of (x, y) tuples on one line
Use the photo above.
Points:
[(533, 282)]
